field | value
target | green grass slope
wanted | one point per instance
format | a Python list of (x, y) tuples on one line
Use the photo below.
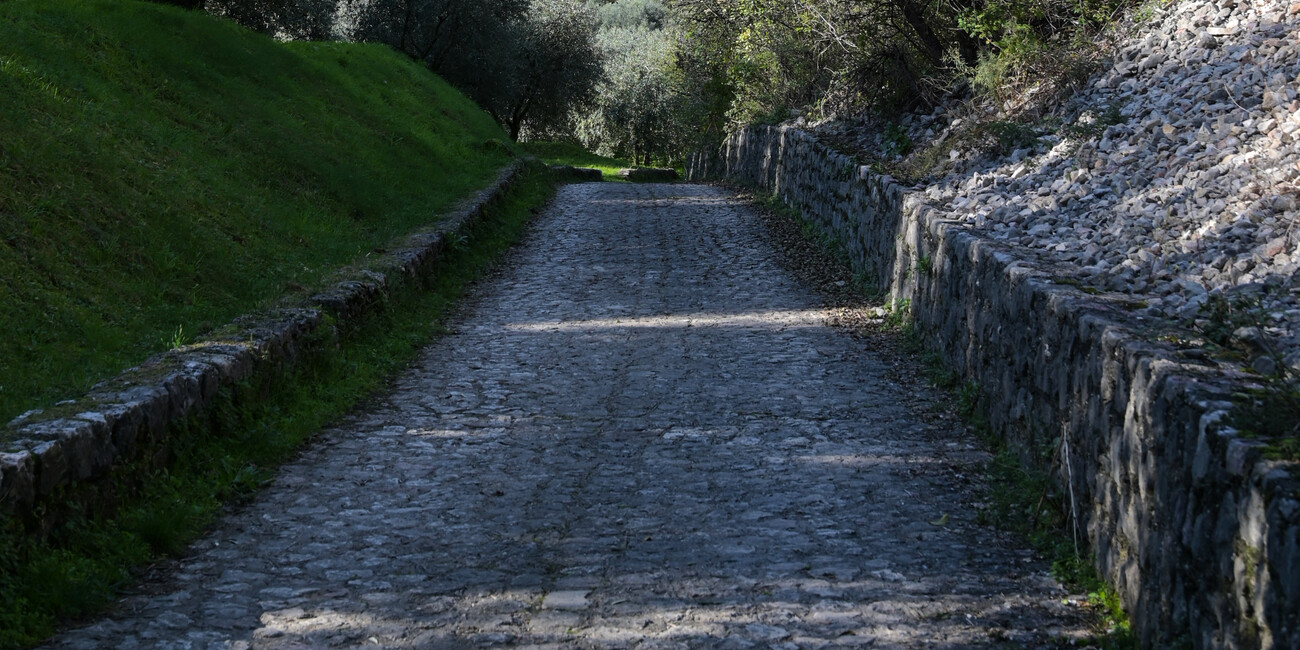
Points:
[(563, 153), (162, 171)]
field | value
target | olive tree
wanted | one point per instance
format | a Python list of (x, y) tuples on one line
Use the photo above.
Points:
[(642, 108), (635, 110), (839, 56), (438, 33), (629, 14), (284, 19), (527, 62), (544, 67)]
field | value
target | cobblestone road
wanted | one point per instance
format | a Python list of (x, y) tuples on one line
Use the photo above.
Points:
[(641, 435)]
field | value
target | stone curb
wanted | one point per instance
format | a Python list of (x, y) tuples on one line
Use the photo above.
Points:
[(1197, 531), (571, 174), (121, 416), (649, 174)]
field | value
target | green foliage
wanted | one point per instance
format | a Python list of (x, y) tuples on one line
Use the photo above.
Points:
[(999, 72), (540, 70), (177, 339), (767, 77), (1036, 45), (1005, 24), (1011, 26), (896, 141), (1237, 327), (446, 35), (286, 19), (162, 167), (751, 60), (829, 56), (527, 62), (76, 569), (924, 265), (643, 109), (937, 372), (631, 14), (1092, 123), (172, 518), (970, 408), (1220, 318), (776, 115), (1009, 136), (900, 317)]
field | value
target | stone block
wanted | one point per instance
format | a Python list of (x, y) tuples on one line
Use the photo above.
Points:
[(571, 174), (73, 458), (17, 481), (102, 454), (51, 466), (206, 375), (648, 175)]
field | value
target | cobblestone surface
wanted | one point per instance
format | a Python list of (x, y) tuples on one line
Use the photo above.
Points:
[(642, 434)]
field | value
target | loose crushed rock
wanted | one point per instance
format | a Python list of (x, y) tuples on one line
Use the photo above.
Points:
[(1190, 193), (642, 435)]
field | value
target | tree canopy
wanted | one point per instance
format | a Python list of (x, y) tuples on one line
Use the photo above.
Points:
[(648, 79)]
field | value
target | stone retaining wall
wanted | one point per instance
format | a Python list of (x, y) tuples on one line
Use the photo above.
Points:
[(80, 441), (1195, 529)]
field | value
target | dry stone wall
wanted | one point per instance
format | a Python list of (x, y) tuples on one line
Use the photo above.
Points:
[(78, 443), (1199, 533)]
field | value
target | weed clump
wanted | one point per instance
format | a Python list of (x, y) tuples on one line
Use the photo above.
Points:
[(1236, 329)]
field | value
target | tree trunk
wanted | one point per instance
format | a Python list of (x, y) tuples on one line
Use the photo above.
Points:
[(968, 46), (406, 29), (517, 116), (931, 46)]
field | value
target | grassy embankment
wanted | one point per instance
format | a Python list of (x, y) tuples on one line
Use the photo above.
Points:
[(78, 568), (563, 153), (163, 172)]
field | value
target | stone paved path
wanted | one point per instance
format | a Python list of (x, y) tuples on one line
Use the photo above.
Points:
[(641, 435)]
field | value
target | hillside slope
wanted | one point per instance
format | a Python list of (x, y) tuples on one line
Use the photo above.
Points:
[(1170, 177), (162, 171)]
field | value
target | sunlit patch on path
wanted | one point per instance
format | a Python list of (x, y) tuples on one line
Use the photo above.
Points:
[(640, 435), (770, 319)]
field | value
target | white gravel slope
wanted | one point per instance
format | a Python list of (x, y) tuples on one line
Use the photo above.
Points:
[(1193, 193)]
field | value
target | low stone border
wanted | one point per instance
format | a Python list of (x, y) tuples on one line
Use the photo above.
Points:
[(571, 174), (649, 174), (82, 440), (1197, 531)]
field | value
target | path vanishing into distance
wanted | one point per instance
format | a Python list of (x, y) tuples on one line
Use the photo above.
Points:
[(640, 434)]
